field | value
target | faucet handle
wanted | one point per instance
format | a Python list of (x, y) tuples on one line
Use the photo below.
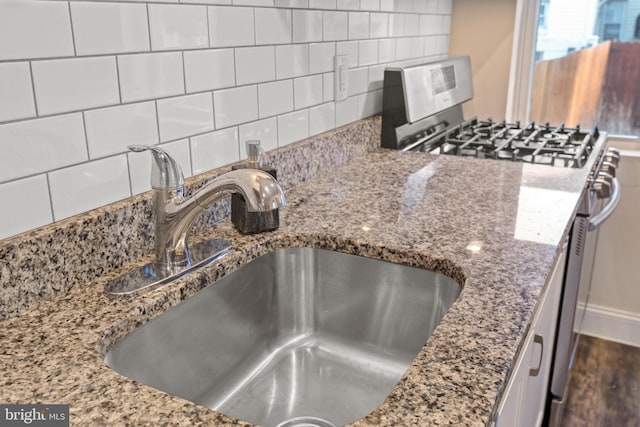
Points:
[(166, 172)]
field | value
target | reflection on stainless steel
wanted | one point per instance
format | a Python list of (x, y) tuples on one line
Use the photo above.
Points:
[(298, 332), (174, 214)]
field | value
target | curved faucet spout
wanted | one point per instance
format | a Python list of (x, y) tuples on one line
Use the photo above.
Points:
[(174, 214), (260, 190)]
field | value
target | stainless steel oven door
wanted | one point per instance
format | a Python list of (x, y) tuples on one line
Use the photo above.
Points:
[(585, 227)]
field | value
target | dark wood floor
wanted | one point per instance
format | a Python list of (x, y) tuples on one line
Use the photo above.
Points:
[(605, 386)]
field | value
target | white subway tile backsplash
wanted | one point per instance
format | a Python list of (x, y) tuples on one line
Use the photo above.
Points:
[(265, 130), (403, 49), (212, 150), (376, 77), (292, 60), (293, 127), (334, 25), (369, 103), (231, 26), (80, 188), (34, 29), (307, 91), (369, 4), (446, 24), (209, 69), (100, 28), (302, 4), (396, 25), (253, 3), (140, 164), (430, 25), (358, 81), (63, 85), (235, 106), (346, 111), (30, 206), (275, 98), (321, 57), (417, 46), (379, 25), (358, 25), (307, 26), (37, 146), (442, 45), (386, 50), (350, 49), (322, 4), (444, 6), (403, 5), (233, 70), (185, 116), (327, 87), (150, 75), (212, 2), (388, 5), (348, 4), (16, 93), (367, 52), (430, 45), (111, 130), (411, 25), (322, 118), (273, 26), (178, 27), (255, 64)]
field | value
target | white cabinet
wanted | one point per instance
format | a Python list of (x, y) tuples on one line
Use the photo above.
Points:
[(523, 402)]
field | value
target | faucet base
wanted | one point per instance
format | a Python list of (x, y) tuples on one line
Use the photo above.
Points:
[(152, 276)]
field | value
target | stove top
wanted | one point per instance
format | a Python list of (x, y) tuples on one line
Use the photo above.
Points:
[(422, 111), (533, 143)]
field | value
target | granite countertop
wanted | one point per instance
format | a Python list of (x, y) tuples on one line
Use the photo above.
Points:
[(494, 226)]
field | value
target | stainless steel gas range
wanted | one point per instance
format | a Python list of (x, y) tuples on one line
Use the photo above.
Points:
[(422, 111)]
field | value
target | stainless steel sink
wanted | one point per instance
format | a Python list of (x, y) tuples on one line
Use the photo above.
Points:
[(298, 336)]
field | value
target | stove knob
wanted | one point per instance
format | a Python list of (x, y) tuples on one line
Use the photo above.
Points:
[(602, 185), (612, 155), (608, 167)]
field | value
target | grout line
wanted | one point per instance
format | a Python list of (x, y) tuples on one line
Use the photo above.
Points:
[(33, 92), (208, 27), (255, 32), (53, 215), (129, 173), (86, 137), (155, 103), (213, 110), (73, 36), (184, 74), (149, 29), (118, 79)]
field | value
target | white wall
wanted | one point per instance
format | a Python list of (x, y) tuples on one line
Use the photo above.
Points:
[(79, 81)]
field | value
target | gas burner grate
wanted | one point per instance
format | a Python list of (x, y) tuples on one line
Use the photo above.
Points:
[(539, 144)]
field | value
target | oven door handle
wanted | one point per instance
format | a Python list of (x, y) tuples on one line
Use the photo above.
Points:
[(607, 210)]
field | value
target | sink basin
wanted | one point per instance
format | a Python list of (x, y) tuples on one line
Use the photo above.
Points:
[(296, 337)]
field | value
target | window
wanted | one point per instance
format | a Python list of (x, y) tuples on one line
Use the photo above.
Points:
[(587, 65)]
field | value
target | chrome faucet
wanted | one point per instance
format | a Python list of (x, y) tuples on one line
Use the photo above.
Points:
[(174, 214)]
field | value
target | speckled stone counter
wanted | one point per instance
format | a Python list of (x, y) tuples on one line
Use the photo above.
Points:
[(493, 226)]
